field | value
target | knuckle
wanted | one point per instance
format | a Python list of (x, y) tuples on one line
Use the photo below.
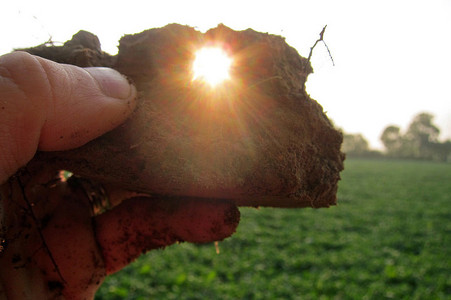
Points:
[(22, 74)]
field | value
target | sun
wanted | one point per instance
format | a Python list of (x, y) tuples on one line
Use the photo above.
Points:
[(212, 64)]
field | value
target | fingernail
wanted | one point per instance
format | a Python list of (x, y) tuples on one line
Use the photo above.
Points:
[(112, 83)]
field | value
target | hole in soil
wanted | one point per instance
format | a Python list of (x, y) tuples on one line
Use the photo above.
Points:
[(212, 64)]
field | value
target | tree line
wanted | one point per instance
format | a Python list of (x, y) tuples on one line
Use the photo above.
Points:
[(420, 141)]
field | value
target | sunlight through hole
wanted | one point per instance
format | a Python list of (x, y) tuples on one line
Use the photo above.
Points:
[(211, 65)]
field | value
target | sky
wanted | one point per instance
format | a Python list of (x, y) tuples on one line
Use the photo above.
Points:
[(392, 57)]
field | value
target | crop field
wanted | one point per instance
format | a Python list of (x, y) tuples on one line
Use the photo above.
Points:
[(389, 238)]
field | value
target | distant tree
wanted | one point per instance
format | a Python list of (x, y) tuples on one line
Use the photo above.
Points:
[(392, 139), (355, 145), (422, 128), (420, 141), (421, 134), (441, 151)]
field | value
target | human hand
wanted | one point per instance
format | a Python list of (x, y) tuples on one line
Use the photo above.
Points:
[(51, 243)]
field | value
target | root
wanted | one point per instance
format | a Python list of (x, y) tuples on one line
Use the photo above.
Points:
[(38, 228), (321, 39)]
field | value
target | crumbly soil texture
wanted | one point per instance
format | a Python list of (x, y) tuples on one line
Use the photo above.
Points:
[(258, 139)]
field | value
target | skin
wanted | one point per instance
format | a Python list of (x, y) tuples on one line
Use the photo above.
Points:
[(53, 247)]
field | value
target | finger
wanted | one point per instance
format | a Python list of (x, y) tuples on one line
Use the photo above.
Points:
[(141, 224), (53, 106)]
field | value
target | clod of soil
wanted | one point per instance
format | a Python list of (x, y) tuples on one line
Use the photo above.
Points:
[(258, 139)]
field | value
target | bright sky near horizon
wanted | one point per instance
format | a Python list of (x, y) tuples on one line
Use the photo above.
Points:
[(392, 57)]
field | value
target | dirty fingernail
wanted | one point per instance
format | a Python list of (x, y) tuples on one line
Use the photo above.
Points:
[(112, 83)]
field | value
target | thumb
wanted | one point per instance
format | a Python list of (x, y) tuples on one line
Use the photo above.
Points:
[(49, 106)]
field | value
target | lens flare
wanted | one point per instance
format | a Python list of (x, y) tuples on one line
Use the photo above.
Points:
[(211, 65)]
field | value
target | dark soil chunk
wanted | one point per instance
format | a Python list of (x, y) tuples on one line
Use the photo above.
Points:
[(258, 139)]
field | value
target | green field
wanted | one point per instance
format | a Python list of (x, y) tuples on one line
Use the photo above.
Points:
[(389, 238)]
